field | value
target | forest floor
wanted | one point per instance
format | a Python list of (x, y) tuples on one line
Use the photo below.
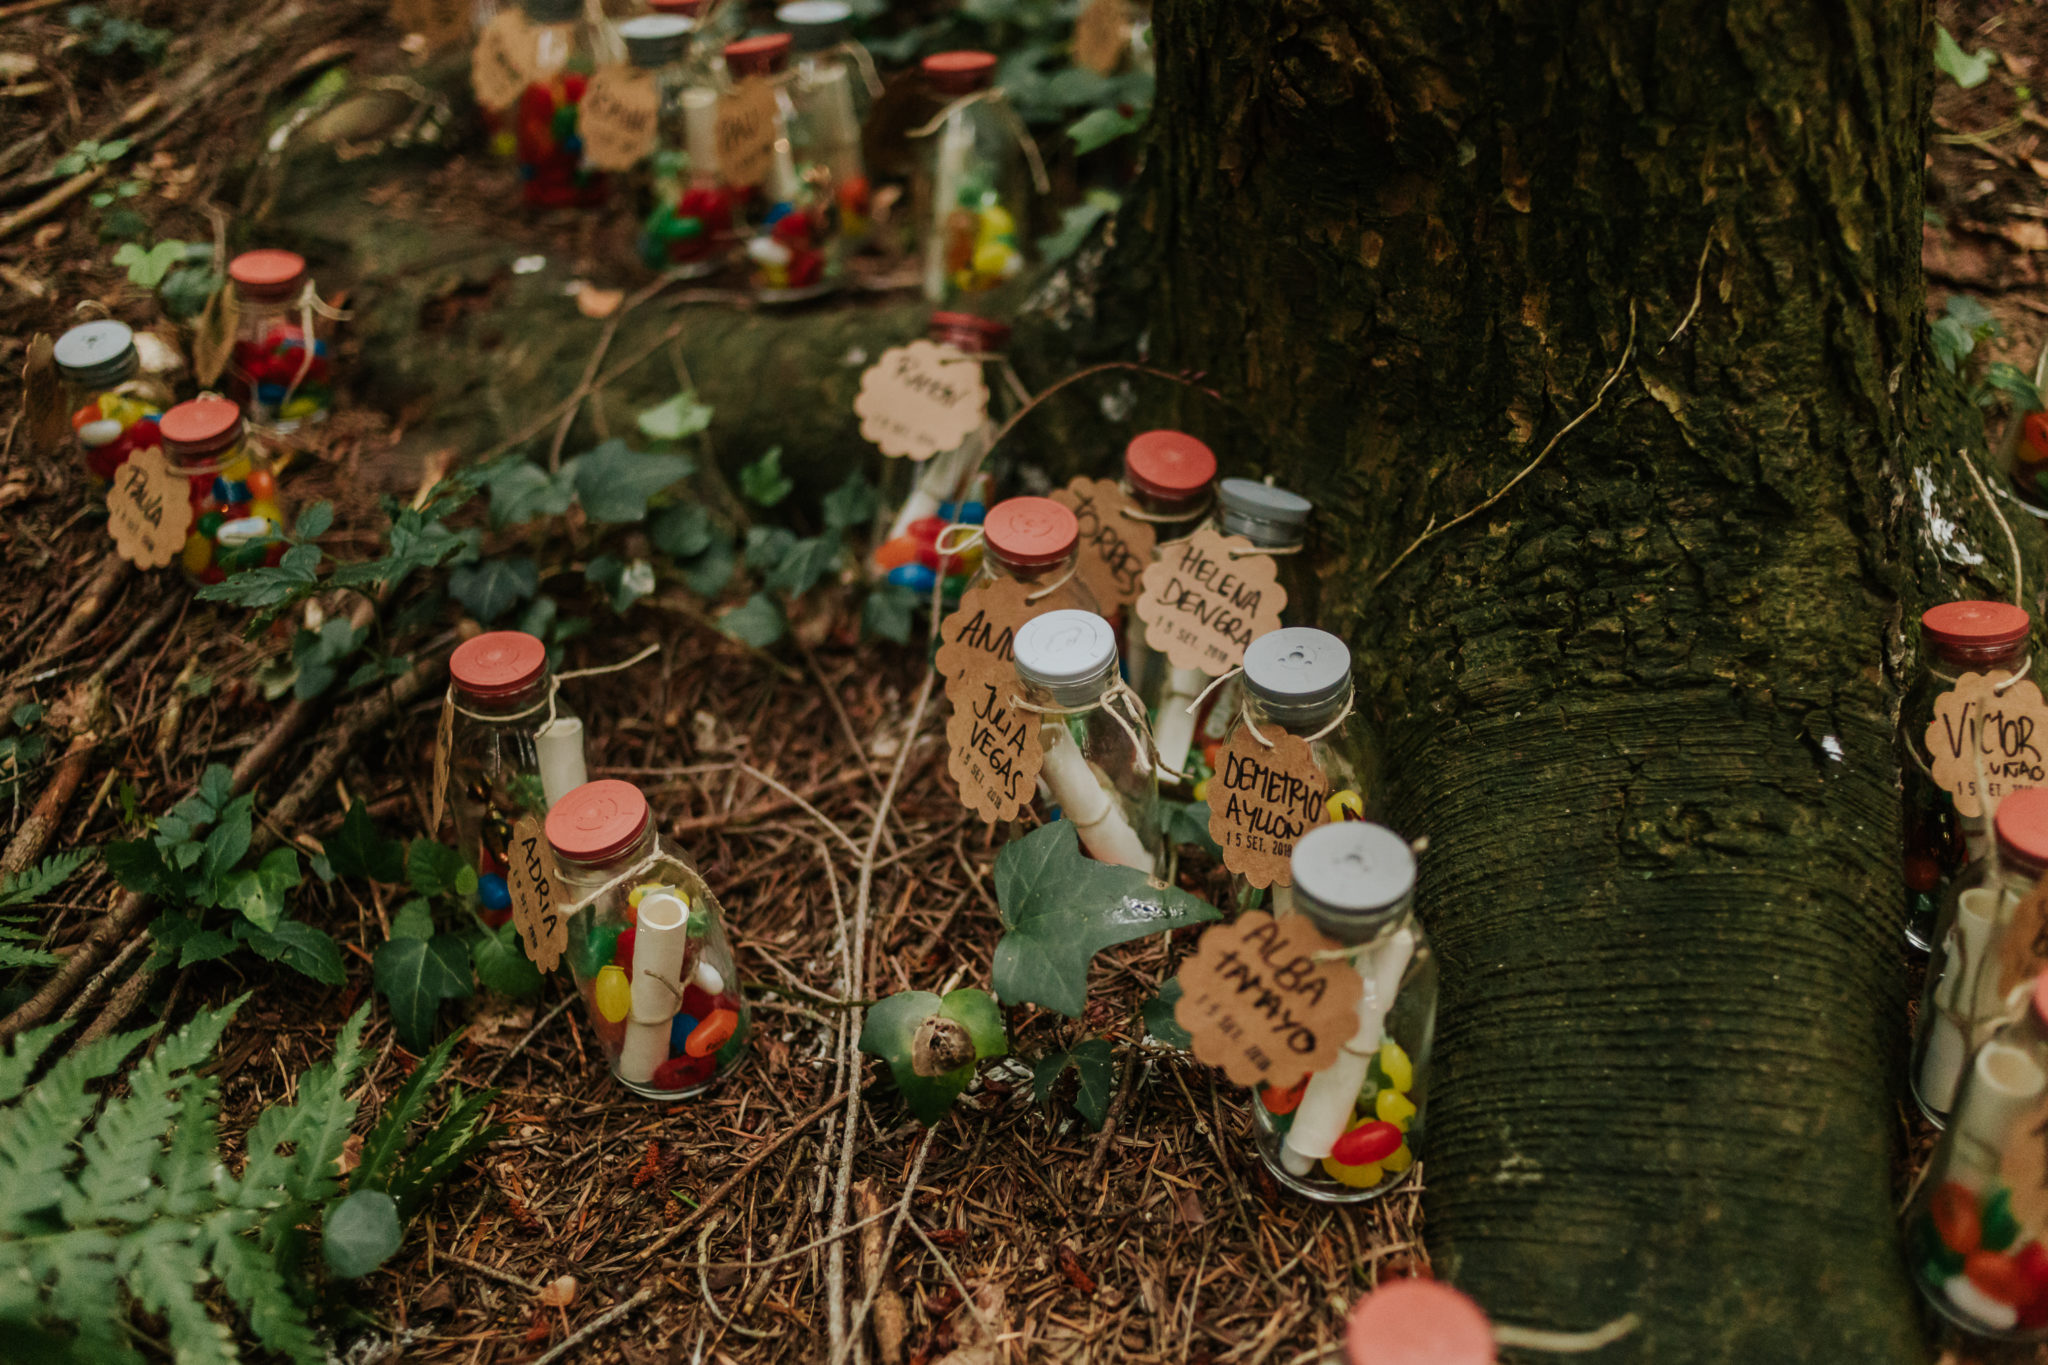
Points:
[(1159, 1238)]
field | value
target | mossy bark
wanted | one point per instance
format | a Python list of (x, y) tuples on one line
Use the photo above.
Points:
[(1643, 706)]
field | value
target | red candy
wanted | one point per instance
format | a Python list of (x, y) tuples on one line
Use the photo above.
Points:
[(1954, 1211), (2036, 431), (1366, 1144), (1279, 1101), (680, 1073), (697, 1002), (622, 953)]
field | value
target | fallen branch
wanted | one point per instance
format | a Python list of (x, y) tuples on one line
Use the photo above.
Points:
[(86, 610), (593, 1327)]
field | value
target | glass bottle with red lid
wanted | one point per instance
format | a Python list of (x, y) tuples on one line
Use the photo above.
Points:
[(793, 250), (515, 748), (114, 408), (1977, 1229), (920, 498), (281, 367), (546, 144), (1170, 479), (687, 231), (1036, 541), (825, 132), (238, 519), (973, 191), (647, 947), (1956, 638), (1418, 1322), (1981, 952)]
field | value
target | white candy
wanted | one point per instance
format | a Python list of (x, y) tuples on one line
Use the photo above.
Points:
[(243, 531), (102, 432), (708, 979), (768, 251)]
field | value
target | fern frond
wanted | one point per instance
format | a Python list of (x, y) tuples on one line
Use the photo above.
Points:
[(45, 877), (253, 1282), (76, 1279), (462, 1132), (18, 1062), (118, 1183), (38, 1134), (387, 1139), (164, 1270)]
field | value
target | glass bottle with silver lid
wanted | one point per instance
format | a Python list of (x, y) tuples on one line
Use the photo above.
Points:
[(1098, 763), (1347, 1133), (114, 412)]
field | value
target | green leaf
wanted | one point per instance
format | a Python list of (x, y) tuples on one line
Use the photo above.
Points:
[(46, 876), (768, 546), (147, 268), (1096, 1065), (1099, 127), (502, 964), (139, 867), (415, 975), (808, 561), (763, 482), (756, 621), (626, 582), (434, 869), (259, 894), (523, 492), (680, 417), (303, 948), (360, 1233), (1967, 69), (493, 587), (314, 521), (977, 1012), (1187, 822), (614, 482), (1159, 1019), (358, 849), (1075, 225), (888, 1032), (1972, 313), (1951, 343), (1061, 907), (681, 531), (888, 611), (709, 572), (851, 506), (2016, 385), (414, 919)]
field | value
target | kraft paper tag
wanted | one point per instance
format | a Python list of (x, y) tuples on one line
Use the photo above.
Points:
[(530, 875), (1255, 1001), (1263, 800), (506, 57), (443, 23), (920, 399), (982, 627), (213, 335), (444, 744), (2023, 1165), (995, 755), (2010, 730), (747, 129), (1102, 34), (42, 398), (2023, 944), (149, 510), (617, 118), (1201, 605), (1115, 549)]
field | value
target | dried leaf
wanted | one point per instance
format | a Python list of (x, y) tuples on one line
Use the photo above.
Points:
[(560, 1292), (1070, 1266), (598, 303)]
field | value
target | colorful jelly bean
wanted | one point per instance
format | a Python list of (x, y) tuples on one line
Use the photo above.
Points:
[(710, 1035), (1395, 1066), (549, 152), (680, 1073), (679, 1030), (614, 993), (111, 428), (981, 242), (1357, 1177), (691, 230), (492, 892), (1391, 1106), (1283, 1101), (1366, 1144), (276, 381)]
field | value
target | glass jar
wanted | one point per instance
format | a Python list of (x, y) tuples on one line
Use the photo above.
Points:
[(567, 50), (1977, 1230), (1271, 519), (649, 956), (1037, 542), (510, 753), (687, 230), (1298, 679), (114, 411), (1169, 478), (825, 132), (280, 384), (920, 498), (1098, 765), (1347, 1133), (974, 190), (1955, 638), (1972, 966), (238, 519), (793, 252)]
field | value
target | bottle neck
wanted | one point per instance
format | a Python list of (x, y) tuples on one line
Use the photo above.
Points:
[(1355, 930), (1301, 720), (527, 704), (1950, 660)]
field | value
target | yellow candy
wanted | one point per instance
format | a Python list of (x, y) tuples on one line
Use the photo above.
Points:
[(268, 510), (1391, 1106), (633, 896), (1345, 805), (995, 222), (1202, 790), (1357, 1177), (504, 144), (236, 470), (614, 993), (198, 553), (123, 410), (992, 258), (1395, 1066), (1399, 1160)]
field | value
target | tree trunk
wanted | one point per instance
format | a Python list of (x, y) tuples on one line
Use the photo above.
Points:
[(1644, 705)]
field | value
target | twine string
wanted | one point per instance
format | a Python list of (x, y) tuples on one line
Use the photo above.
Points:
[(1117, 691), (309, 303), (1136, 513), (994, 96), (547, 703), (1245, 714), (865, 61), (639, 869)]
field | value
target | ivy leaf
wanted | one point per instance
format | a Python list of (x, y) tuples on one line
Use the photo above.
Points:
[(2016, 385), (414, 919), (1159, 1020), (523, 492), (627, 583), (1076, 223), (360, 1233), (1061, 907), (614, 482), (258, 894), (1096, 1064), (1967, 69), (768, 546), (681, 531), (1099, 127), (851, 506), (502, 964), (314, 521), (763, 481), (680, 417), (434, 869), (301, 947), (709, 572), (140, 867), (358, 850), (494, 586), (888, 612), (415, 975), (147, 267), (756, 621), (1187, 822), (808, 560), (890, 1032)]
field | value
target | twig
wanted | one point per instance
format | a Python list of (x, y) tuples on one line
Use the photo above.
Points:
[(827, 821), (1076, 377), (1699, 289), (113, 573), (958, 1284), (710, 1200), (531, 1033), (586, 385), (488, 1271), (593, 1327), (1433, 530), (867, 1302), (1110, 1122), (125, 999)]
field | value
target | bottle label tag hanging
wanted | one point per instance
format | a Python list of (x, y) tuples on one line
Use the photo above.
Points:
[(746, 131), (506, 57), (42, 398), (1115, 549), (617, 118), (213, 335), (444, 743), (2023, 944), (1261, 801), (2022, 1147), (443, 23), (1979, 735), (530, 876), (920, 399), (981, 628), (1256, 1002), (1201, 605), (149, 510), (1102, 34), (995, 755)]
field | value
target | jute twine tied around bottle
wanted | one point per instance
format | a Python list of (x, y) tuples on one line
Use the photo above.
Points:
[(943, 546), (994, 95), (1118, 691), (309, 303), (1244, 710)]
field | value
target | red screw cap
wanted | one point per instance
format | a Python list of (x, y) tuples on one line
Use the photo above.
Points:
[(2022, 823), (498, 663), (201, 426), (959, 73), (762, 56), (1418, 1322), (969, 333), (267, 274), (1975, 625), (1031, 533), (597, 821), (1171, 465)]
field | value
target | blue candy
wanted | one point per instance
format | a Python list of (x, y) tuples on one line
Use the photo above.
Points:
[(916, 577), (492, 891), (679, 1030), (270, 393), (573, 146), (973, 514)]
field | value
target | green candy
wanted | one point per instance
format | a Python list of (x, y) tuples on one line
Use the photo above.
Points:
[(1937, 1263), (600, 945), (2001, 1229), (563, 124), (700, 925), (687, 228), (734, 1046), (209, 524)]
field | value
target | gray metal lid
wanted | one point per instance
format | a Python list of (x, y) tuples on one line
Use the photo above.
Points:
[(1064, 651), (815, 25), (655, 40), (1297, 667), (1255, 509), (552, 11), (1351, 872), (96, 354)]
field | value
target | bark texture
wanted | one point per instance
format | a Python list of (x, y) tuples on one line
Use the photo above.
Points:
[(1641, 706)]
